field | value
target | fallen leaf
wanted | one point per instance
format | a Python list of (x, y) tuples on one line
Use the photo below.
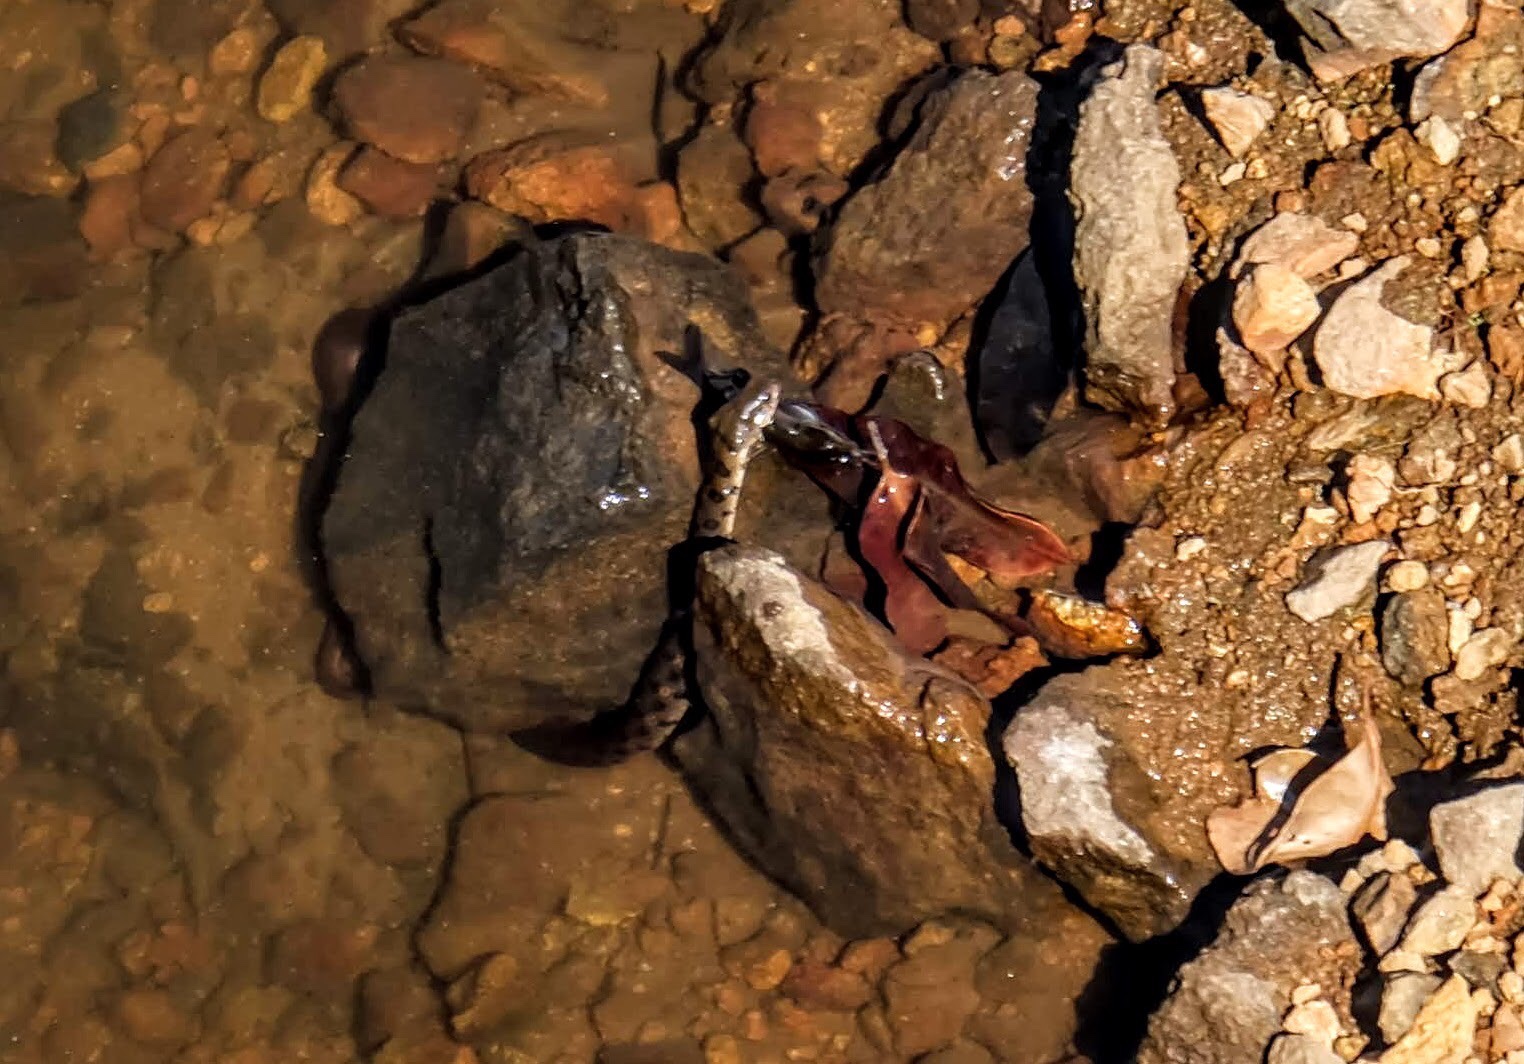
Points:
[(911, 609), (1283, 821)]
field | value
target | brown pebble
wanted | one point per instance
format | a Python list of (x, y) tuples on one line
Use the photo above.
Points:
[(106, 223), (547, 180), (414, 108), (389, 187), (183, 180), (152, 1018)]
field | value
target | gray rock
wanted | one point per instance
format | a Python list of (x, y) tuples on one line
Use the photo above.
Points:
[(1347, 36), (1366, 350), (935, 233), (1381, 908), (1227, 1004), (1477, 838), (1402, 995), (1440, 924), (1063, 768), (1480, 970), (1415, 636), (513, 484), (851, 771), (1130, 250), (1300, 1049), (1336, 579)]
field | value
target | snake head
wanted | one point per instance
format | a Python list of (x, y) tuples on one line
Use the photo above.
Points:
[(741, 423)]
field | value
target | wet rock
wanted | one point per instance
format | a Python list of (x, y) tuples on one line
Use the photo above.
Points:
[(941, 20), (1238, 118), (1063, 766), (1366, 350), (1381, 909), (387, 186), (1477, 838), (1302, 243), (934, 234), (1443, 1030), (535, 49), (472, 232), (819, 52), (1346, 37), (346, 26), (328, 202), (1415, 636), (416, 109), (91, 127), (110, 216), (1227, 1004), (1272, 306), (183, 180), (1337, 579), (823, 986), (714, 175), (930, 995), (825, 739), (547, 472), (28, 163), (1131, 249), (552, 179), (45, 259), (285, 88), (1402, 995), (782, 129), (795, 203)]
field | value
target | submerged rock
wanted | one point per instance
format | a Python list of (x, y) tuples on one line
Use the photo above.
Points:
[(855, 773), (500, 530), (1227, 1004), (1130, 248)]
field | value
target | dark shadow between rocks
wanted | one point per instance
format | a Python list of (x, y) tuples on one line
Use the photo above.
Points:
[(1133, 979), (1276, 23)]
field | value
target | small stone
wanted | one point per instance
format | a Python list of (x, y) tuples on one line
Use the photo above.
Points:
[(1371, 482), (1302, 243), (1333, 127), (1366, 350), (328, 202), (1507, 226), (109, 216), (389, 187), (1300, 1049), (1315, 1019), (1345, 37), (1485, 650), (1272, 306), (1402, 995), (151, 1017), (285, 89), (1336, 579), (1415, 631), (183, 180), (235, 54), (1511, 987), (1460, 627), (1440, 923), (1509, 454), (414, 108), (1506, 1034), (1441, 138), (1476, 837), (1442, 1031), (1407, 576), (824, 986), (126, 159), (548, 180), (1475, 257), (1381, 907), (1469, 387), (1238, 118)]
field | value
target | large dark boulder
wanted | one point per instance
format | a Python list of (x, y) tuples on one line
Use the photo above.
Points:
[(500, 530)]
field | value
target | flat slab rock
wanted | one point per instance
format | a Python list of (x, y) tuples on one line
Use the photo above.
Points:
[(856, 774), (500, 527), (1227, 1004)]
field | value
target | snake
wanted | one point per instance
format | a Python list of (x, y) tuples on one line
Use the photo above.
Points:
[(663, 694)]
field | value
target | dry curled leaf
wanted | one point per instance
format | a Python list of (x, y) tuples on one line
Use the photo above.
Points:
[(1291, 818)]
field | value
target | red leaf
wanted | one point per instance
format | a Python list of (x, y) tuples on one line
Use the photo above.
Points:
[(911, 609)]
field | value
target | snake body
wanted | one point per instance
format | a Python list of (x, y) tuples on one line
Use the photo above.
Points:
[(662, 697)]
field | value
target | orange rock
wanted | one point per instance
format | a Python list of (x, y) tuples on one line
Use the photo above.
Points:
[(110, 212), (543, 180), (782, 133)]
